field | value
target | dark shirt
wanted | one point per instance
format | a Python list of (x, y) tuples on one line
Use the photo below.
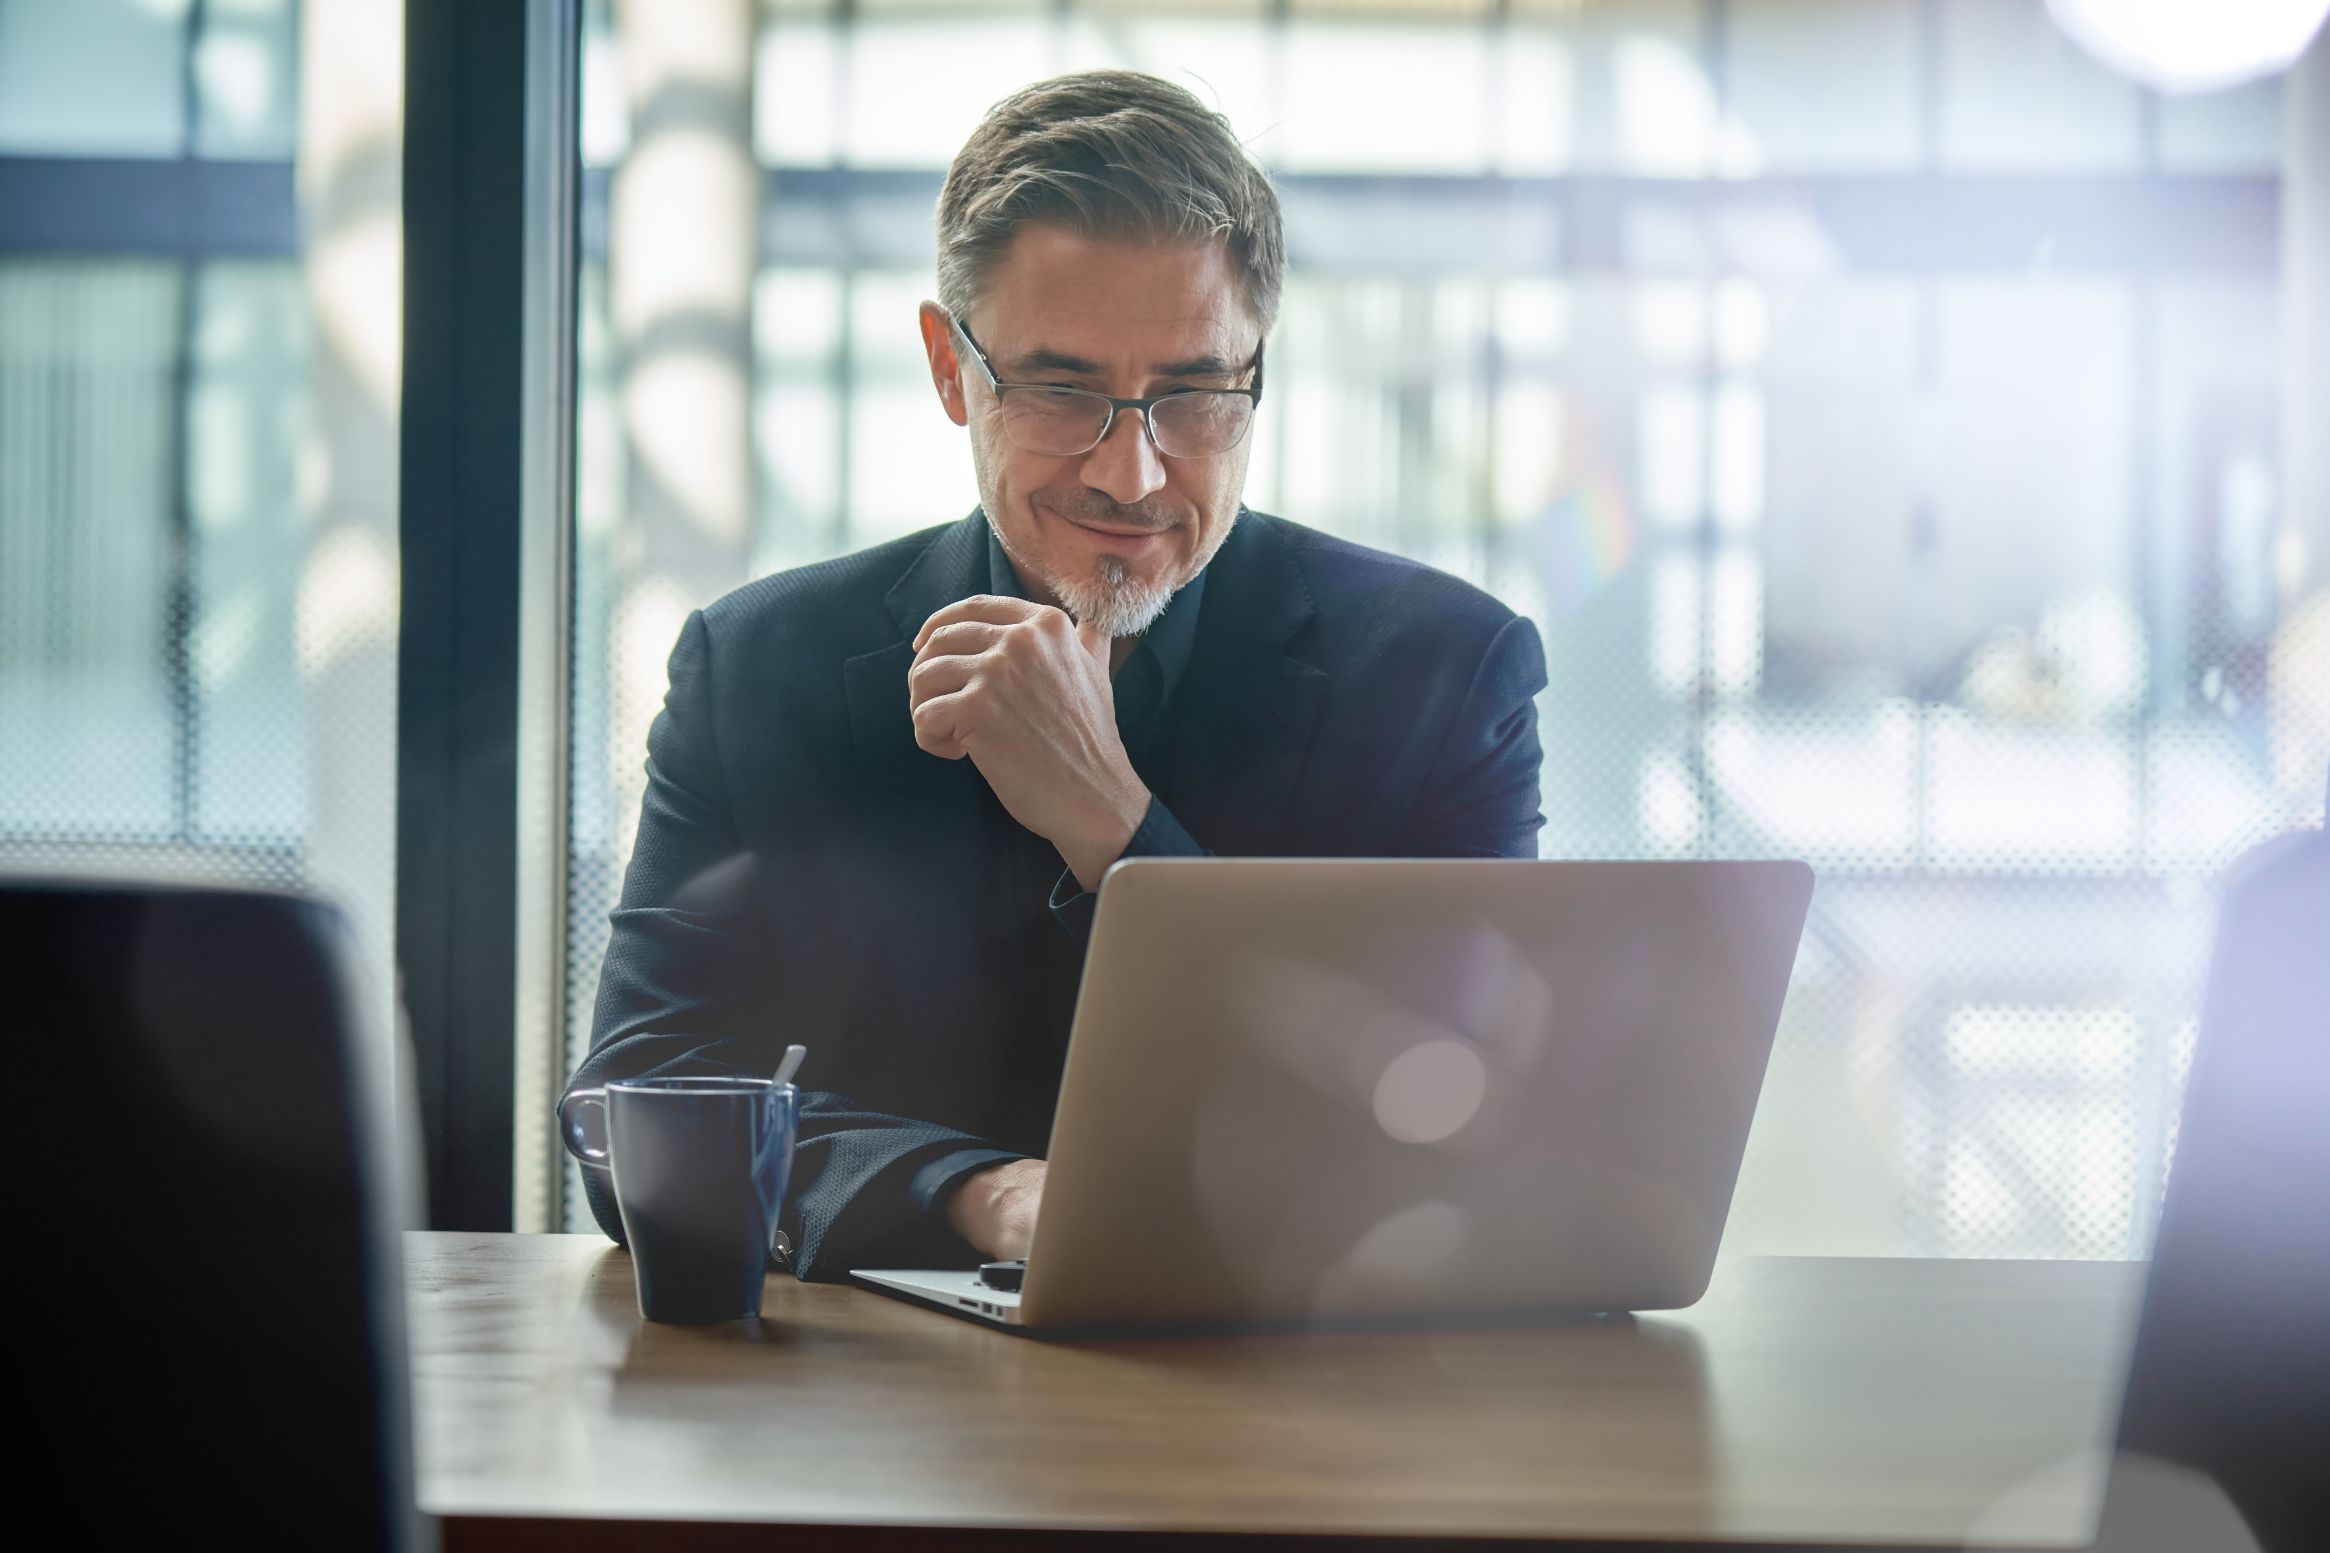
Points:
[(1028, 882)]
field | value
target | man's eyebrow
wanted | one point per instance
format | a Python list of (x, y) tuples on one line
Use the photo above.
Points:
[(1044, 359), (1200, 366)]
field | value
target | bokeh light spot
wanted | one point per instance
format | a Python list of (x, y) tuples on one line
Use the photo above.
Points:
[(1428, 1092)]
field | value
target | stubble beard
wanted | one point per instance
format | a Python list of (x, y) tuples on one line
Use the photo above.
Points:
[(1120, 603), (1112, 596)]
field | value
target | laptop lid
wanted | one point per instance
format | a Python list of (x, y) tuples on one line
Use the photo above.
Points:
[(2230, 1373), (1324, 1090)]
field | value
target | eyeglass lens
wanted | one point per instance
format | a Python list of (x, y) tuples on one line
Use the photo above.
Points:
[(1063, 423)]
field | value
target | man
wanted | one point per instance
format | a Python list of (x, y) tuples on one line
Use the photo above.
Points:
[(883, 790)]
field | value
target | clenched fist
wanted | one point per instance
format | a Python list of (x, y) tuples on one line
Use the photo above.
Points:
[(1024, 692)]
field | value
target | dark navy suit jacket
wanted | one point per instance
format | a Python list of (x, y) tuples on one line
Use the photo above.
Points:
[(804, 871)]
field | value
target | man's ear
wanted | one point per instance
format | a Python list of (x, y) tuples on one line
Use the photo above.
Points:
[(946, 368)]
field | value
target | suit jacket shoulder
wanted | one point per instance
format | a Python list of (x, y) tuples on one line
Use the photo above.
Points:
[(829, 610), (1375, 594)]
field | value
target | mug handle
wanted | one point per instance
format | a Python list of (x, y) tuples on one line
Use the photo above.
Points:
[(582, 1125)]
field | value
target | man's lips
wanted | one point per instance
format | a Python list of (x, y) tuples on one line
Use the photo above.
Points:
[(1118, 531)]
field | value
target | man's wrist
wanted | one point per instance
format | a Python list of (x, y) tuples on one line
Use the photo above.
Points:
[(1089, 858)]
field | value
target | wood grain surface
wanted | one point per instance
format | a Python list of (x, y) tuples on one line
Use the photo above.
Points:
[(1881, 1401)]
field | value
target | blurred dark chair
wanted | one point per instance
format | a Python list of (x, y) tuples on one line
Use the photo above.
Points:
[(2230, 1375), (210, 1259)]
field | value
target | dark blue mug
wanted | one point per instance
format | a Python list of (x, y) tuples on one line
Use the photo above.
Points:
[(700, 1167)]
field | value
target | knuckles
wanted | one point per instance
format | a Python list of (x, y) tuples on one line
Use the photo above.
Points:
[(1014, 651), (1038, 635)]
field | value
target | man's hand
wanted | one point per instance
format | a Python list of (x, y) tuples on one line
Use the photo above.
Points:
[(995, 1210), (1024, 692)]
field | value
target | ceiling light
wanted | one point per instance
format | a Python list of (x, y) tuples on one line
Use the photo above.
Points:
[(2192, 45)]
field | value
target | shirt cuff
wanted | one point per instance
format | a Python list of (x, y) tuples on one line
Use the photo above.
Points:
[(942, 1175), (1158, 835)]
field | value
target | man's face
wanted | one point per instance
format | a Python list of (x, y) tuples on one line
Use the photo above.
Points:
[(1111, 534)]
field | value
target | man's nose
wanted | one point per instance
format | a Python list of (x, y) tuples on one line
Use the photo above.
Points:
[(1126, 464)]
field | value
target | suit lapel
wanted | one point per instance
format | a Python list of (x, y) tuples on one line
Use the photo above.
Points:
[(952, 566), (928, 811), (1245, 725)]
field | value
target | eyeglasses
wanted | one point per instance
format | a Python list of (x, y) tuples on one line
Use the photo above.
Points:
[(1066, 422)]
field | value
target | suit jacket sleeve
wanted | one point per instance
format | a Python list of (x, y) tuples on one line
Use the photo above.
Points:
[(1482, 796), (1158, 835), (686, 989)]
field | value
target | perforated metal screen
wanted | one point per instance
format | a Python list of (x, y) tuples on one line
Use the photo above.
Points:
[(1951, 570), (150, 697)]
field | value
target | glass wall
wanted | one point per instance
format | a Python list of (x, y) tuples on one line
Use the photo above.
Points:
[(1874, 402), (198, 365)]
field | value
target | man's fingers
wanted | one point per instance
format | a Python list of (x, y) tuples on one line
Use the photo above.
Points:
[(978, 607), (940, 723), (960, 639), (938, 676)]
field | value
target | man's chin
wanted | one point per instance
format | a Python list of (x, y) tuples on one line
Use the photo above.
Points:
[(1125, 608)]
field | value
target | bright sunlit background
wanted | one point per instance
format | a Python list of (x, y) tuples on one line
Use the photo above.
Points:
[(1894, 479), (198, 406), (1880, 405)]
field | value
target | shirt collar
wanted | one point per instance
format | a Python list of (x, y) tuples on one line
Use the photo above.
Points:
[(1168, 640)]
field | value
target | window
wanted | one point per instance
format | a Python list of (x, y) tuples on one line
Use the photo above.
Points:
[(198, 551), (1870, 514)]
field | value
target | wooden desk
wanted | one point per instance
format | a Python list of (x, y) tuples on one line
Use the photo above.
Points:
[(1813, 1399)]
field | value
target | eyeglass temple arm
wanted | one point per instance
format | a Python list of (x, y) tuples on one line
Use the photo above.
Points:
[(977, 355)]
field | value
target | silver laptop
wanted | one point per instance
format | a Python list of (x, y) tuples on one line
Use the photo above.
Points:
[(1330, 1092)]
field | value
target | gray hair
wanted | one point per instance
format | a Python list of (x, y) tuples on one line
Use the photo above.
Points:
[(1107, 154)]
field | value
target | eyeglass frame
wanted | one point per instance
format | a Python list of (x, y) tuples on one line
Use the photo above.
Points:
[(1252, 391)]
